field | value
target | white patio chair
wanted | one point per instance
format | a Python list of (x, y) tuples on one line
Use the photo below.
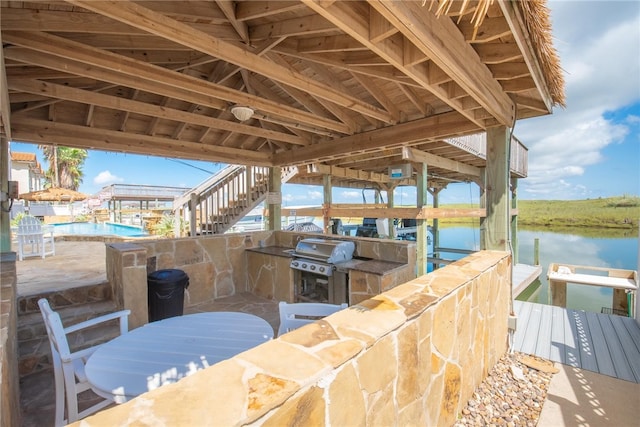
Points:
[(295, 315), (68, 367), (33, 238)]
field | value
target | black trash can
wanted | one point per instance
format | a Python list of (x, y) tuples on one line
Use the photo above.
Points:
[(166, 293)]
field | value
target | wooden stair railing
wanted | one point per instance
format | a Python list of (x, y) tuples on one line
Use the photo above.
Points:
[(218, 203)]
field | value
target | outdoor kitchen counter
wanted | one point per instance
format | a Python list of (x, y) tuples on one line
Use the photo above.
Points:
[(273, 250), (372, 266)]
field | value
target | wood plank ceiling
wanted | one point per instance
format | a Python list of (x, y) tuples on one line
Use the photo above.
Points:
[(344, 84)]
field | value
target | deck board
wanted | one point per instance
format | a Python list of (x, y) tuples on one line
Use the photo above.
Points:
[(558, 321), (602, 343), (594, 355), (523, 276), (543, 344), (629, 344), (600, 347)]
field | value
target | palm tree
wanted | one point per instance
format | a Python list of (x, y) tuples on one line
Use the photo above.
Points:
[(65, 166)]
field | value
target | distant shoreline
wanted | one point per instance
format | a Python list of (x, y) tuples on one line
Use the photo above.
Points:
[(622, 212)]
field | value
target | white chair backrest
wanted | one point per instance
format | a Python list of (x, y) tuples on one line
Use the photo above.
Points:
[(295, 315), (29, 225), (55, 329)]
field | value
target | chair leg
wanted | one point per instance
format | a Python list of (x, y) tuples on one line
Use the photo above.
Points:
[(72, 396), (60, 396)]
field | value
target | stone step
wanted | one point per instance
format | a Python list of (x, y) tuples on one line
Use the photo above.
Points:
[(66, 297)]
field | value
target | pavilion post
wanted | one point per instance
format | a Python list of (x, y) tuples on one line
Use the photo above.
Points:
[(421, 223), (5, 214), (275, 209), (496, 229)]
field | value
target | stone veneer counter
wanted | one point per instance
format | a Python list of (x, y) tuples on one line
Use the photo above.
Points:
[(372, 266), (273, 250)]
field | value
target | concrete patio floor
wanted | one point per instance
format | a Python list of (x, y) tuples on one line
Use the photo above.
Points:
[(576, 397)]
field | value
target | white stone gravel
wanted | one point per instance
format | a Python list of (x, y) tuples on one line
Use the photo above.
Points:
[(505, 398)]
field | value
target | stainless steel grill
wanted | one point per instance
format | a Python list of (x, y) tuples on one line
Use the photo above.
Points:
[(319, 255), (315, 275)]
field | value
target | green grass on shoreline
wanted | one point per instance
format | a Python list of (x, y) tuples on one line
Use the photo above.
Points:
[(621, 212)]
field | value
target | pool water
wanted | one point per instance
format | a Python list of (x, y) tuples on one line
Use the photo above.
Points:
[(92, 229)]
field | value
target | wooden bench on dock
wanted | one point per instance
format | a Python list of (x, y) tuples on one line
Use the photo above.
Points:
[(621, 281)]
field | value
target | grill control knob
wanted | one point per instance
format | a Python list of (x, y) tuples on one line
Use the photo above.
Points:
[(304, 265), (321, 269), (295, 263), (313, 267)]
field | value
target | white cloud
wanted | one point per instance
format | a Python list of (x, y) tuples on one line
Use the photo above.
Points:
[(105, 177), (601, 67)]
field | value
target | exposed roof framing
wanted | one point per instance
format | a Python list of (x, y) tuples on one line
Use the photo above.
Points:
[(338, 87)]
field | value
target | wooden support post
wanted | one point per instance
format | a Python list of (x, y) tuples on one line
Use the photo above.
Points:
[(536, 251), (482, 184), (390, 203), (421, 224), (436, 227), (558, 293), (5, 216), (620, 301), (328, 200), (275, 209), (514, 220), (497, 189), (193, 208)]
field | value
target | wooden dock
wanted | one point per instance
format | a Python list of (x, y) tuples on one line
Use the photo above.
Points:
[(602, 343), (523, 276)]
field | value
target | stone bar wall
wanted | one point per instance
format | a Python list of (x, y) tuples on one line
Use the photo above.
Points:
[(216, 266), (9, 386), (410, 356)]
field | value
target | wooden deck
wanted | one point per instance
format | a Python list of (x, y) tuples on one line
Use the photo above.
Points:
[(523, 276), (602, 343)]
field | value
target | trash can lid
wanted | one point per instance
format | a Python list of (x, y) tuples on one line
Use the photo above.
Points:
[(167, 275)]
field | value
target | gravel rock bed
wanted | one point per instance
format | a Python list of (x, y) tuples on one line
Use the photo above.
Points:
[(512, 394)]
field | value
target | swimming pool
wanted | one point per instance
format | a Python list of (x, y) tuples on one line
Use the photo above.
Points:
[(92, 229)]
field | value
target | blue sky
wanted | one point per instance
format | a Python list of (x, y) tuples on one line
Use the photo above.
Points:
[(590, 149)]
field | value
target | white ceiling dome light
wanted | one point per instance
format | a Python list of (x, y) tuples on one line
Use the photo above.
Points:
[(242, 113)]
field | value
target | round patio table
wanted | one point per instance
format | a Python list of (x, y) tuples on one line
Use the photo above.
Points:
[(165, 351)]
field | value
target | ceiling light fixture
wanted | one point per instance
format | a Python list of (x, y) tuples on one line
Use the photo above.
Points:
[(242, 113)]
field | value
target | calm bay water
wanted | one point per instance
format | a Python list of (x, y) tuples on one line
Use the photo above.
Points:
[(601, 248)]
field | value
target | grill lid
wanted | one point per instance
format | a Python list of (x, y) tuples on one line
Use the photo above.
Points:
[(330, 251)]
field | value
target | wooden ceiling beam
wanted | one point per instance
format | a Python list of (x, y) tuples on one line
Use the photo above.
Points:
[(341, 43), (386, 72), (417, 156), (442, 43), (127, 72), (491, 29), (306, 26), (348, 16), (498, 53), (345, 173), (47, 132), (509, 71), (157, 111), (435, 127), (5, 104), (228, 8), (248, 10), (521, 35), (373, 89), (155, 23), (311, 103)]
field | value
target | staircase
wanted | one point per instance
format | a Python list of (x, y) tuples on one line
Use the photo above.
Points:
[(215, 205)]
